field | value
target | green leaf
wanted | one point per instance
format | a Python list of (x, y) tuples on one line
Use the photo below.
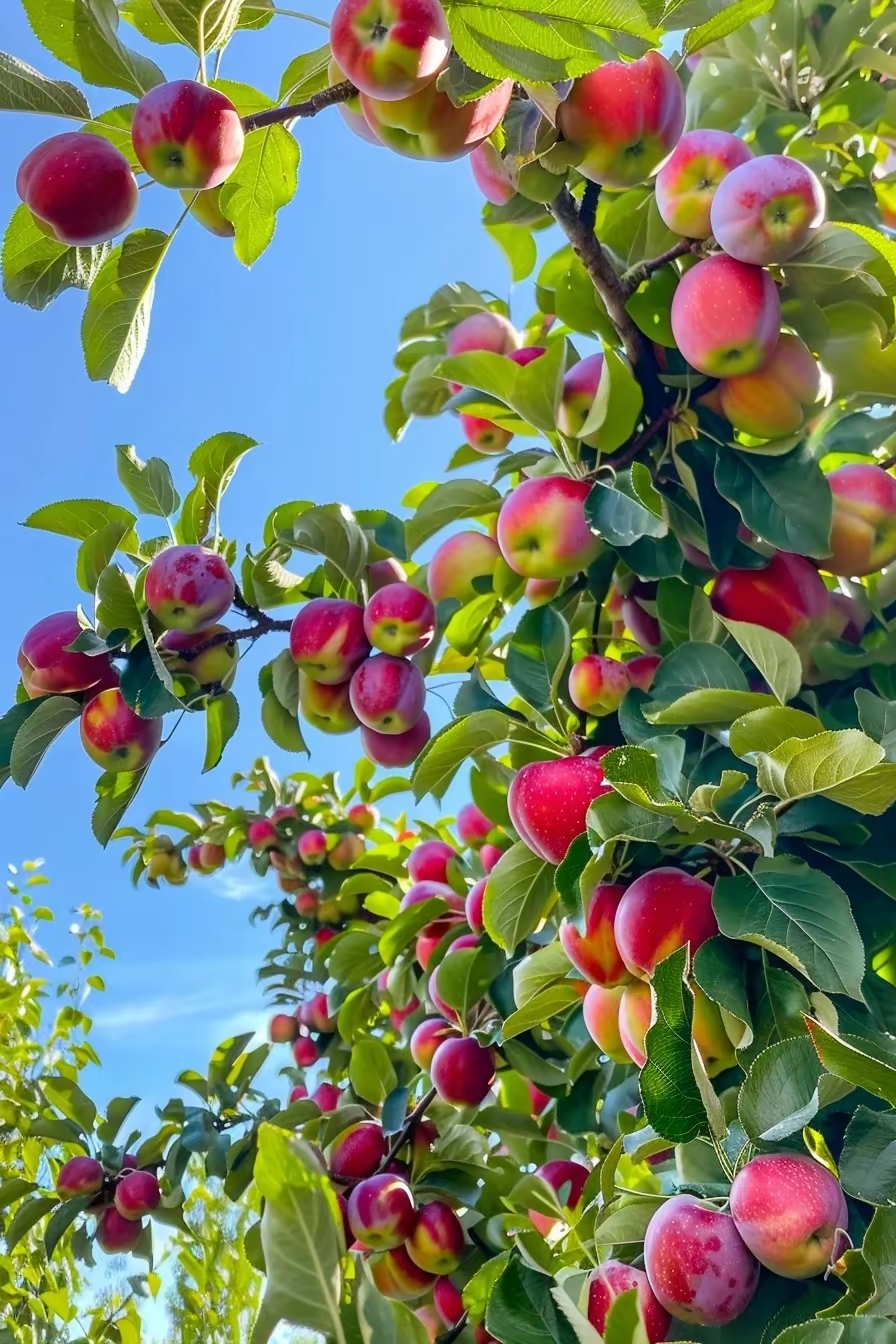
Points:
[(24, 89), (462, 979), (381, 1319), (879, 1250), (446, 504), (443, 756), (222, 717), (709, 707), (333, 532), (672, 1101), (281, 726), (616, 512), (544, 41), (201, 25), (115, 793), (723, 23), (401, 931), (25, 1217), (370, 1071), (83, 34), (695, 667), (95, 553), (845, 766), (538, 387), (773, 656), (36, 268), (117, 1111), (80, 518), (850, 1058), (518, 246), (537, 655), (616, 408), (264, 180), (116, 605), (521, 1309), (868, 1157), (115, 325), (62, 1219), (66, 1096), (215, 461), (786, 500), (517, 897), (145, 683), (722, 977), (781, 1093), (541, 1008), (305, 75), (301, 1238), (149, 484), (762, 730), (801, 915), (37, 733)]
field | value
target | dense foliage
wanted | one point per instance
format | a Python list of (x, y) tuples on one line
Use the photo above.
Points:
[(635, 1006)]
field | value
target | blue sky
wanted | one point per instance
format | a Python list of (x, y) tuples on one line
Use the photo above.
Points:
[(295, 353)]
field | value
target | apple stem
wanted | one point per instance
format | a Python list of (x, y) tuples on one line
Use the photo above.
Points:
[(339, 93), (634, 277), (612, 291)]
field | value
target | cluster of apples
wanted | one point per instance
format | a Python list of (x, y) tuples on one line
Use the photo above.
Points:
[(299, 1029), (356, 669), (121, 1198), (80, 188), (298, 855)]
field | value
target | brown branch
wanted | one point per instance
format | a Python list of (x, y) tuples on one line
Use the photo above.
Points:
[(634, 277), (264, 625), (407, 1128), (621, 460), (455, 1332), (612, 291), (339, 93)]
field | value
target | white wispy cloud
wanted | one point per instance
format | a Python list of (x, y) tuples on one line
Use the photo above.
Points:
[(236, 885)]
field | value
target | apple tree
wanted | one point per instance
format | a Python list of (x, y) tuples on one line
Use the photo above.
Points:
[(610, 1054)]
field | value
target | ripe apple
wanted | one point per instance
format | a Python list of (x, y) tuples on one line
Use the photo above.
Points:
[(350, 109), (490, 174), (429, 861), (327, 1097), (613, 1278), (261, 834), (80, 1176), (298, 1093), (388, 694), (598, 685), (489, 856), (396, 750), (549, 801), (356, 1152), (542, 529), (211, 667), (641, 623), (187, 135), (327, 639), (688, 180), (137, 1194), (382, 1212), (726, 316), (399, 619), (601, 1009), (437, 1242), (188, 588), (567, 1180), (642, 670), (448, 1301), (863, 533), (773, 401), (788, 596), (390, 48), (541, 591), (625, 117), (486, 437), (595, 953), (397, 1277), (283, 1029), (710, 1037), (362, 815), (327, 707), (766, 210), (427, 125), (305, 1052), (312, 847), (580, 385), (79, 188), (697, 1264), (115, 736), (791, 1213), (384, 571), (458, 562), (660, 912), (426, 1039), (635, 1017), (315, 1014), (346, 850), (473, 826), (46, 665), (116, 1235), (473, 906), (463, 1071), (482, 331)]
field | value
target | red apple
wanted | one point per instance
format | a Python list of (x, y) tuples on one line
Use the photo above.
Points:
[(80, 1176), (567, 1180), (625, 117), (580, 385), (327, 707), (549, 801), (188, 588), (463, 1071), (791, 1213), (396, 750), (642, 670), (726, 316), (388, 694), (315, 1014), (689, 179), (137, 1194), (458, 562), (116, 1235), (429, 861), (788, 596), (595, 953), (399, 619), (187, 135), (390, 48), (863, 533), (641, 623), (305, 1052), (261, 834), (327, 639), (489, 856), (542, 529), (448, 1301), (79, 188), (298, 1093), (384, 571), (613, 1278), (660, 912), (473, 905), (697, 1264), (283, 1028), (312, 847), (473, 826), (767, 209), (356, 1152), (491, 175), (46, 666), (115, 736), (381, 1212), (326, 1096)]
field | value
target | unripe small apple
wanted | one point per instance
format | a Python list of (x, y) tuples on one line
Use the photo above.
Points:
[(396, 750), (79, 1176), (357, 1151), (187, 135), (436, 1243), (598, 685), (188, 588), (115, 737), (327, 639), (400, 620), (463, 1071), (116, 1235), (382, 1212), (137, 1194)]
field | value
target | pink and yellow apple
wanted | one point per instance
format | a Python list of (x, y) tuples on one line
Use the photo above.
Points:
[(79, 188), (211, 667), (327, 639), (205, 208), (396, 750), (601, 1009), (115, 737), (347, 849), (598, 685), (635, 1017), (350, 109), (327, 707), (384, 571), (397, 1277), (594, 953), (436, 1243), (791, 1213), (549, 801), (463, 1071), (48, 668), (697, 1264), (283, 1029), (487, 438), (399, 619), (188, 588), (541, 591), (460, 560), (613, 1278), (726, 316), (625, 117), (788, 596), (710, 1037), (580, 385), (542, 529), (661, 911), (688, 180), (261, 834), (767, 209), (491, 175), (427, 125), (863, 532), (356, 1152), (388, 694), (482, 331), (187, 135), (382, 1212), (426, 1039), (773, 401), (642, 670), (312, 847), (390, 48)]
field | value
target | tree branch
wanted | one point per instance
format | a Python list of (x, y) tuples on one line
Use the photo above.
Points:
[(623, 459), (407, 1128), (612, 291), (264, 625), (339, 93), (635, 276)]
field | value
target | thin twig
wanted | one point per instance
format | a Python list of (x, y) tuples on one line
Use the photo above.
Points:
[(263, 626), (455, 1332), (407, 1128), (634, 277), (339, 93), (621, 460)]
